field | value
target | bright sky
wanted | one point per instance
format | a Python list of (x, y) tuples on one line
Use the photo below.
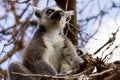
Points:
[(102, 37), (108, 25)]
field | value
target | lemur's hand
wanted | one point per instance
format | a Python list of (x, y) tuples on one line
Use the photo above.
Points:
[(82, 65)]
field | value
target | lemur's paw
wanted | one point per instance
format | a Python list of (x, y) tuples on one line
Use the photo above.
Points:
[(81, 65)]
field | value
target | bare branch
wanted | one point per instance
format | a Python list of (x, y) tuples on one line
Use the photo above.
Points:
[(16, 1), (16, 48), (101, 73)]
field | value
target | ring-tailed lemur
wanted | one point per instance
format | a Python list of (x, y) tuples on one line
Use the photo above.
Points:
[(49, 51)]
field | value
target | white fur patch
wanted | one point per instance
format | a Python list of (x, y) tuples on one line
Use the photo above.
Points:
[(54, 43)]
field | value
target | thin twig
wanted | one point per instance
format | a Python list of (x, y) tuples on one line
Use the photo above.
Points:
[(19, 2), (9, 54), (101, 73), (47, 3), (66, 6), (49, 76)]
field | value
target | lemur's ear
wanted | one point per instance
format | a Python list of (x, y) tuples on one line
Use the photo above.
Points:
[(37, 12), (68, 15)]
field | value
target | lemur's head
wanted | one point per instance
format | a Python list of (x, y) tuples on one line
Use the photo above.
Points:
[(53, 17)]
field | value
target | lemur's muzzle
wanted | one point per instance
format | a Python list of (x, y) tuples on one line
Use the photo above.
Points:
[(55, 16)]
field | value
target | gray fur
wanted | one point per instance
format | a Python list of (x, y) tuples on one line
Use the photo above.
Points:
[(49, 52)]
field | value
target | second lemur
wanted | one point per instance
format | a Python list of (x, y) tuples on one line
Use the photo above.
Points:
[(49, 51)]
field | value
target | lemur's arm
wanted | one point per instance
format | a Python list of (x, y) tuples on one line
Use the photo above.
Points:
[(71, 55)]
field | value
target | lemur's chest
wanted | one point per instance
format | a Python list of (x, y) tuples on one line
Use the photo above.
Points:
[(54, 43), (54, 46)]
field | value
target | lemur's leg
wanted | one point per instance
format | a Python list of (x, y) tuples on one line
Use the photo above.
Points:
[(71, 55), (41, 67), (18, 67), (44, 68)]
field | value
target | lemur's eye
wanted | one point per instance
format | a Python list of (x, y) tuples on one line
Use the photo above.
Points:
[(49, 11)]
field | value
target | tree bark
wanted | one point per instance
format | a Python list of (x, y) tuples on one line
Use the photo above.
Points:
[(72, 35)]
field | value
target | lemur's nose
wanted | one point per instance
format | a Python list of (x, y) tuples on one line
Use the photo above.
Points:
[(60, 12), (56, 15), (57, 12)]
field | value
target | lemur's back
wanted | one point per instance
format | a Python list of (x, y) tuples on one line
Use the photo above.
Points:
[(34, 50)]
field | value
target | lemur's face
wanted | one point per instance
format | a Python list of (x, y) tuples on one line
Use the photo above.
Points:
[(53, 17)]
